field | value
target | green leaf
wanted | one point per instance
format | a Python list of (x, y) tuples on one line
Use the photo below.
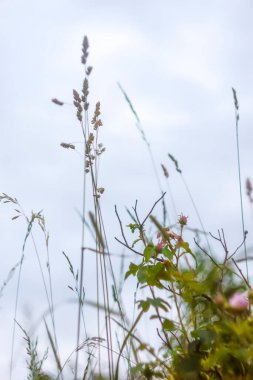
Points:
[(168, 325), (168, 254), (136, 241), (144, 305), (133, 226), (186, 247), (156, 273), (188, 276), (205, 337), (156, 302), (149, 252), (133, 268), (142, 275), (197, 287), (142, 346)]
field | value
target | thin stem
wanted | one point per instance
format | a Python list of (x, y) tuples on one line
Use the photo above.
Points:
[(125, 341), (151, 155), (239, 174), (160, 320), (245, 280), (210, 257), (81, 261), (179, 314)]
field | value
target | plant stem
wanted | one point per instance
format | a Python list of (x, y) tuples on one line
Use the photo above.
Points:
[(116, 377), (239, 175)]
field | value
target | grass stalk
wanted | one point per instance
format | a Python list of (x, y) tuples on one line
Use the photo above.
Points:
[(116, 377), (148, 145), (236, 106)]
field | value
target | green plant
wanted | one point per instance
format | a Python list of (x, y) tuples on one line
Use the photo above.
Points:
[(198, 305), (211, 336)]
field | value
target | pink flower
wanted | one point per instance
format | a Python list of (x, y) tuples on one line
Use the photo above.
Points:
[(182, 220), (169, 233), (239, 301), (174, 236), (159, 246)]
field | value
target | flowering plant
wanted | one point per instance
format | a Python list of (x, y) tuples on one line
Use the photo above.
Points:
[(211, 336), (201, 305)]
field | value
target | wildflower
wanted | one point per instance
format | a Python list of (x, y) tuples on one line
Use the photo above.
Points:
[(182, 220), (159, 246), (174, 236), (239, 301), (168, 233)]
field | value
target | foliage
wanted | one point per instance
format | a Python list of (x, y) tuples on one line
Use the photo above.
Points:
[(211, 338), (200, 306)]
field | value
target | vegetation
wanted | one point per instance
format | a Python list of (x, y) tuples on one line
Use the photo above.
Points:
[(198, 304)]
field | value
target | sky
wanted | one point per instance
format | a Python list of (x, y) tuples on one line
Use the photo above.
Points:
[(177, 61)]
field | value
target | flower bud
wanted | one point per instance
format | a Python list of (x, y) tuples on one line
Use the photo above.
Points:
[(159, 247), (182, 220)]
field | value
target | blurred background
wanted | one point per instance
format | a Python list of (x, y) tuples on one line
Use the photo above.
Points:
[(178, 62)]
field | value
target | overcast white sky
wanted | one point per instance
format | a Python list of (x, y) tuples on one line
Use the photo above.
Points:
[(177, 60)]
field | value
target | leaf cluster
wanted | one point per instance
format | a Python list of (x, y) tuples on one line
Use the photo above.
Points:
[(209, 338)]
